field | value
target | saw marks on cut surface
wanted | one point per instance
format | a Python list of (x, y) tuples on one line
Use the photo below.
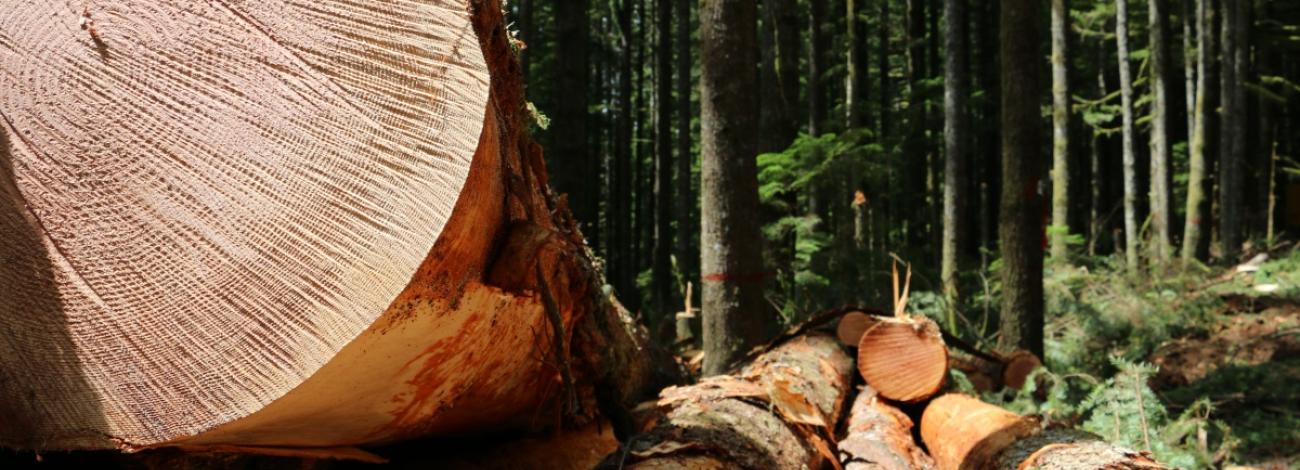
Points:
[(201, 202)]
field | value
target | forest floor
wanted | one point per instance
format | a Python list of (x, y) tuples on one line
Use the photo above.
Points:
[(1218, 350)]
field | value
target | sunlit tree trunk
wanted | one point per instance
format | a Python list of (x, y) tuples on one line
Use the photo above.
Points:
[(1020, 224), (1189, 64), (1130, 159), (1060, 131), (731, 261), (956, 139), (1158, 19), (853, 63), (1195, 242)]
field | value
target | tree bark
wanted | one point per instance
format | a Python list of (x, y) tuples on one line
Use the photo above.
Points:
[(688, 254), (778, 412), (853, 62), (956, 139), (816, 66), (1060, 132), (1195, 241), (731, 261), (620, 215), (879, 437), (1232, 143), (661, 271), (410, 327), (780, 76), (914, 157), (569, 126), (1188, 18), (882, 64), (1020, 223), (1158, 19), (1130, 159)]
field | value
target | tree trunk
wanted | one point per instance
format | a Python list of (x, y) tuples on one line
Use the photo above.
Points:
[(1195, 241), (778, 412), (1232, 143), (1020, 223), (816, 66), (879, 437), (965, 433), (731, 261), (1130, 159), (956, 139), (914, 156), (1189, 65), (661, 271), (780, 76), (569, 126), (622, 242), (882, 64), (688, 255), (1158, 19), (853, 62), (1060, 229), (367, 304)]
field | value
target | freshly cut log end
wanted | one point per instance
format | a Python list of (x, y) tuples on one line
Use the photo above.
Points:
[(879, 437), (1018, 366), (851, 326), (964, 433), (904, 359), (284, 223)]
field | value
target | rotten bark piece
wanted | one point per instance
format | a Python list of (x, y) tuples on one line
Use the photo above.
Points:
[(371, 286), (879, 437), (777, 412), (904, 358), (964, 433)]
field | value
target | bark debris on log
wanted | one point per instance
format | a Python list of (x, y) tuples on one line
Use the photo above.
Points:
[(779, 411), (879, 437)]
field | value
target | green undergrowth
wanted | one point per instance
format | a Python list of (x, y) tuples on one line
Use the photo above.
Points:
[(1103, 324)]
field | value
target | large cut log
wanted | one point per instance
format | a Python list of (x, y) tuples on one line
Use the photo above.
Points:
[(285, 224), (904, 358), (963, 433), (879, 437), (778, 412)]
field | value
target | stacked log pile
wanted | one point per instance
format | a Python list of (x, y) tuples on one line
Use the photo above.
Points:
[(782, 409)]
